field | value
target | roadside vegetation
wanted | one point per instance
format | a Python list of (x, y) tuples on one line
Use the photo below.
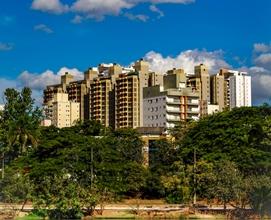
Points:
[(222, 159)]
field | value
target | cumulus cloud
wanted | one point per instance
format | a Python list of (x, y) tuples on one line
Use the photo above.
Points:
[(261, 48), (264, 60), (44, 28), (98, 9), (261, 72), (5, 46), (37, 81), (51, 6), (187, 60)]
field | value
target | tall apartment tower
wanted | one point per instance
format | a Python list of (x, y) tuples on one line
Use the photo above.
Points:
[(174, 102), (230, 89), (100, 101), (240, 89), (127, 101), (78, 91), (142, 68), (61, 111), (200, 81), (218, 91), (50, 90)]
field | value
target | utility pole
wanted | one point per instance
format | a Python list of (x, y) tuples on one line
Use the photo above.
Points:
[(195, 180), (3, 165), (91, 168)]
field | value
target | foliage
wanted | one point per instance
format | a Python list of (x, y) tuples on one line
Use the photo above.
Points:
[(238, 136), (225, 156), (260, 195), (20, 120)]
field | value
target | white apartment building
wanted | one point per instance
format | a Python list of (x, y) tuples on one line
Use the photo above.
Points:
[(61, 111), (239, 89), (168, 108)]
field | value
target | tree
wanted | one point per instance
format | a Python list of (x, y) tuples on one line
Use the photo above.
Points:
[(226, 182), (238, 136), (20, 119), (260, 195), (19, 123)]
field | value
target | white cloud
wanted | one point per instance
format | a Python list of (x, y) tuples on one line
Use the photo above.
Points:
[(6, 46), (138, 17), (261, 47), (187, 60), (37, 81), (77, 19), (43, 28), (154, 8), (261, 80), (98, 9), (263, 60), (51, 6)]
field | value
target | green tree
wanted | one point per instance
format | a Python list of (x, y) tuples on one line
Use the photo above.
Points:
[(260, 195), (238, 135), (19, 123), (20, 119), (226, 182)]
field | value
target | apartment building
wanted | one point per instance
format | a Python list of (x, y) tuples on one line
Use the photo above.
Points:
[(230, 89), (170, 107), (127, 101), (129, 94), (78, 91), (101, 101), (172, 102), (135, 96), (200, 81), (61, 111)]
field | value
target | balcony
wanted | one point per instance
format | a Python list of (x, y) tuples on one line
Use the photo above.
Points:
[(173, 110), (173, 118)]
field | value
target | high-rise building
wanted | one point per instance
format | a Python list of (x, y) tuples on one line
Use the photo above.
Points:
[(170, 107), (200, 81), (122, 97), (61, 111), (127, 101), (100, 101), (230, 89)]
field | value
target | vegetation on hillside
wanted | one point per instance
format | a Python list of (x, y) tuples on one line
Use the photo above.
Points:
[(66, 173)]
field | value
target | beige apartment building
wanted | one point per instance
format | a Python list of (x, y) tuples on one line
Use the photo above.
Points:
[(200, 81), (117, 96), (129, 94), (78, 91), (61, 111), (101, 107), (127, 101)]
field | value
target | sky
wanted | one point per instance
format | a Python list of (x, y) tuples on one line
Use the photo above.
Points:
[(42, 39)]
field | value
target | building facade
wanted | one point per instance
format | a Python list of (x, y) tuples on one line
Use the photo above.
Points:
[(62, 112), (230, 89), (135, 96)]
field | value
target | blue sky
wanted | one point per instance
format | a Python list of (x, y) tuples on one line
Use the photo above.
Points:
[(40, 37)]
